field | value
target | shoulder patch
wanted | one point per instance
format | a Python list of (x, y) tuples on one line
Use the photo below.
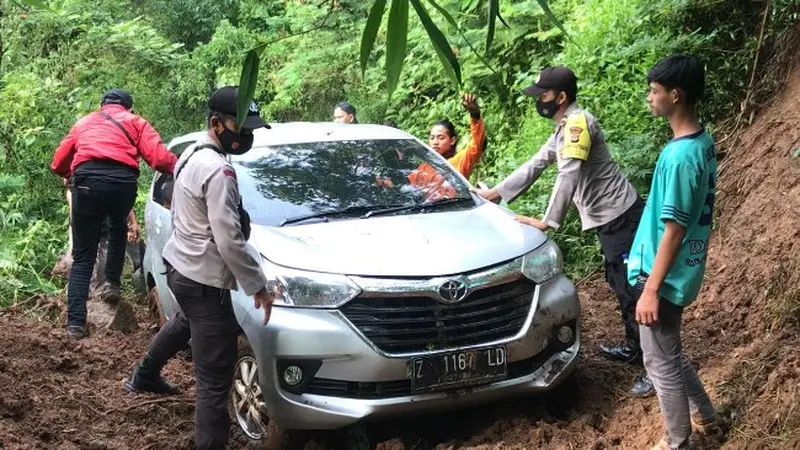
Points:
[(228, 172), (577, 140)]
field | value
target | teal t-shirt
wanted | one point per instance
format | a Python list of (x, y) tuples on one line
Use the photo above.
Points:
[(683, 191)]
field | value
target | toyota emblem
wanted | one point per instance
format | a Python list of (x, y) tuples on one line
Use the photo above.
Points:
[(453, 291)]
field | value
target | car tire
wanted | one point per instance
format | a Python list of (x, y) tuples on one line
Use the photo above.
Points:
[(250, 411), (154, 305)]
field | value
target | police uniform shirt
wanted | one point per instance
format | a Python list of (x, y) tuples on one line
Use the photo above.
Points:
[(587, 176), (207, 244)]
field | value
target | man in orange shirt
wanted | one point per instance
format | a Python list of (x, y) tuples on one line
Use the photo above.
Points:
[(444, 139)]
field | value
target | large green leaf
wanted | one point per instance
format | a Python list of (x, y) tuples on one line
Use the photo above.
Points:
[(445, 14), (371, 31), (440, 44), (549, 13), (396, 38), (452, 22), (36, 4), (247, 85), (494, 7)]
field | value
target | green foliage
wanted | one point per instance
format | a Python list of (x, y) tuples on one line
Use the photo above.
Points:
[(55, 63)]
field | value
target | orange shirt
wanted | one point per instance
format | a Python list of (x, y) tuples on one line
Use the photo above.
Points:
[(466, 159), (430, 181)]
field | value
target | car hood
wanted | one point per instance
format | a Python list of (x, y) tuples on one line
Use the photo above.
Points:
[(413, 245)]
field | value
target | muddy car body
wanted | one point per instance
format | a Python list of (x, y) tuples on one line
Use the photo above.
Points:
[(397, 301)]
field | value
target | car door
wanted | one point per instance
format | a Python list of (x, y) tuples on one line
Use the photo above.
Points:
[(158, 226)]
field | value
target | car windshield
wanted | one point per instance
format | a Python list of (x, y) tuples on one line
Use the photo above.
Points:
[(340, 179)]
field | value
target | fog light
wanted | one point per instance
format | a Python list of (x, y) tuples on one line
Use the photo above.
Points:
[(564, 335), (293, 375)]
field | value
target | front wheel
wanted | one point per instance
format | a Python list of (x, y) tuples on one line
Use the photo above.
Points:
[(250, 409), (154, 306)]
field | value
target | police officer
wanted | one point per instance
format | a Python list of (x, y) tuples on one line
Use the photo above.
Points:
[(587, 176), (206, 257)]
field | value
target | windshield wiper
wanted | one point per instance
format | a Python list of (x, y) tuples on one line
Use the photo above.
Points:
[(336, 212), (447, 201)]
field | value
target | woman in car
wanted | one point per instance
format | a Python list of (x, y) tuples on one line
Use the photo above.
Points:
[(443, 138)]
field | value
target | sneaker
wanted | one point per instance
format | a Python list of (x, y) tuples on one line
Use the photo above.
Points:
[(77, 332), (111, 293), (622, 353), (643, 387)]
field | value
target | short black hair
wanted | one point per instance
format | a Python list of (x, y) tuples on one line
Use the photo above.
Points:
[(210, 113), (680, 71), (451, 129), (117, 97), (346, 107), (572, 95)]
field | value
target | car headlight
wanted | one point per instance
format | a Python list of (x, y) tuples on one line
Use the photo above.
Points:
[(543, 263), (309, 289)]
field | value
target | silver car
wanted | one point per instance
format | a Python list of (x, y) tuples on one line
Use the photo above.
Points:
[(404, 291)]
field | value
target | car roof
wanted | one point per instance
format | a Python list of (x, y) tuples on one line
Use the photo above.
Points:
[(303, 132)]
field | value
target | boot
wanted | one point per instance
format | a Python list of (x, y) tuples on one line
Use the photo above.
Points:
[(110, 293), (147, 378), (77, 332), (643, 386)]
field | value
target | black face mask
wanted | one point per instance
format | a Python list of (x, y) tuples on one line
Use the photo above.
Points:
[(546, 109), (234, 143)]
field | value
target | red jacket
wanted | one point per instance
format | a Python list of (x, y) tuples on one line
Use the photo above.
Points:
[(96, 138)]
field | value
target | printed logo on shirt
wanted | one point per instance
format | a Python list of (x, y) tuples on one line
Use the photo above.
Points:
[(577, 141), (575, 133), (229, 173), (697, 246)]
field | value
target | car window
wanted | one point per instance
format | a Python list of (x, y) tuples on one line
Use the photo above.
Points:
[(178, 149), (162, 186), (162, 190), (288, 181)]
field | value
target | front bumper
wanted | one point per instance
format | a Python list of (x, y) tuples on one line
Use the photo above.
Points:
[(536, 362)]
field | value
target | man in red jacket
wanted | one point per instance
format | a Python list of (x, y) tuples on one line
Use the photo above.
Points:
[(101, 156)]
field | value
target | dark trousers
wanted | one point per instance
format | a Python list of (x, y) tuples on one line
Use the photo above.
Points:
[(94, 201), (616, 239), (207, 317)]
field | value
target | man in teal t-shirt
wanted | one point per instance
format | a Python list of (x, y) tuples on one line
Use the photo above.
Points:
[(669, 252), (682, 191)]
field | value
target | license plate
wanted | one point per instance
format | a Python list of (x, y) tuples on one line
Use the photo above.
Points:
[(457, 369)]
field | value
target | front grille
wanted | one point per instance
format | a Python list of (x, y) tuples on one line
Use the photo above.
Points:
[(400, 325), (401, 388)]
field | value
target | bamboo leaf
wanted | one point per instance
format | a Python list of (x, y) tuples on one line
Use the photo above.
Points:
[(36, 4), (549, 13), (371, 32), (396, 39), (494, 6), (247, 85), (444, 13), (443, 50), (503, 21)]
